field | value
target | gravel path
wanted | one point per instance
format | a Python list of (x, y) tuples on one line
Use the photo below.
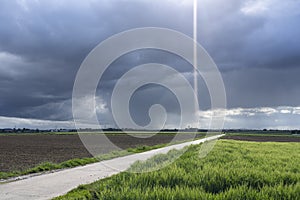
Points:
[(54, 184)]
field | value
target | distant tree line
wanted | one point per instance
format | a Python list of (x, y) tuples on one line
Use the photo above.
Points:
[(295, 132), (27, 130), (19, 130)]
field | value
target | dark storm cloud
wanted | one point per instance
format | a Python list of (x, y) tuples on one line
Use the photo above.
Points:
[(42, 44), (261, 34), (51, 38), (263, 87)]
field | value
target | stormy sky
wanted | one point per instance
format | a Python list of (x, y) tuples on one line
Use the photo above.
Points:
[(254, 43)]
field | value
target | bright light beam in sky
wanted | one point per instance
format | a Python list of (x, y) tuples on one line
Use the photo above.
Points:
[(195, 63)]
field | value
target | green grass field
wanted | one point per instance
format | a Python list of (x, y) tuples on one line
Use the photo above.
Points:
[(232, 170)]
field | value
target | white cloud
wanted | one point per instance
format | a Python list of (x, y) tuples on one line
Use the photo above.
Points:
[(271, 8), (285, 111), (90, 105), (296, 111), (264, 110), (282, 117), (255, 7), (10, 122), (11, 65)]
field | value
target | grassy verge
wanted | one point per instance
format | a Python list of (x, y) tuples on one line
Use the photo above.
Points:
[(232, 170)]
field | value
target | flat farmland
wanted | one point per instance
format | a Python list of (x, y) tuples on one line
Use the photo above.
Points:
[(19, 152), (24, 151), (263, 138)]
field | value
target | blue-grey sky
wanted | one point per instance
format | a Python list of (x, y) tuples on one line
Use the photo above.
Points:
[(255, 44)]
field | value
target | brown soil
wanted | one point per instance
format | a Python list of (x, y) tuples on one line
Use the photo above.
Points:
[(19, 152), (263, 138)]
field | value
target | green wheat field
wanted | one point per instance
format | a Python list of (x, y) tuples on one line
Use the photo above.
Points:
[(232, 170)]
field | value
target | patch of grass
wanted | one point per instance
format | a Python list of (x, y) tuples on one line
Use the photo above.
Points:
[(143, 148), (232, 170)]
